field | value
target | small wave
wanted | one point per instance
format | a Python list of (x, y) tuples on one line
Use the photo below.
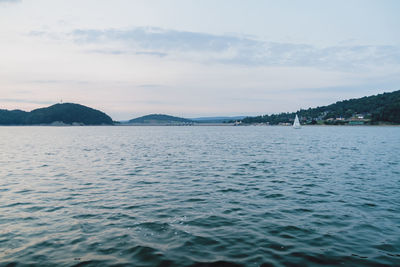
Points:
[(216, 264), (16, 204)]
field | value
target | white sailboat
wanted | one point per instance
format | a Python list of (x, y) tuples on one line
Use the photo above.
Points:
[(296, 124)]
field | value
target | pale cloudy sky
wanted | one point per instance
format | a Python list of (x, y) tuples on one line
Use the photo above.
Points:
[(196, 58)]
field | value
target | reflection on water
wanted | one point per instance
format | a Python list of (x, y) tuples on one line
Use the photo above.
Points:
[(168, 196)]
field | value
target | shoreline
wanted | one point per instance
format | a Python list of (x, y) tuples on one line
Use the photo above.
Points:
[(199, 125)]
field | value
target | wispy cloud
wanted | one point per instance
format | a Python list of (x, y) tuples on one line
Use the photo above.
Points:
[(150, 85), (107, 51), (47, 35), (160, 39), (58, 82), (29, 101), (230, 49), (10, 1), (151, 53)]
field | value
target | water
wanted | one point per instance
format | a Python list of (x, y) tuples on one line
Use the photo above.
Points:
[(181, 196)]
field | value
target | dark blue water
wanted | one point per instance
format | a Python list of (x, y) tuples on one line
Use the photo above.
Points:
[(181, 196)]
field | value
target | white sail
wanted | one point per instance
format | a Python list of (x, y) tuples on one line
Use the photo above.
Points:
[(296, 123)]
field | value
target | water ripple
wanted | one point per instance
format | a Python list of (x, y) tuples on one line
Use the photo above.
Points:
[(199, 196)]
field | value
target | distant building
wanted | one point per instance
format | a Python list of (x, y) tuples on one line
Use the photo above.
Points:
[(360, 116), (358, 119)]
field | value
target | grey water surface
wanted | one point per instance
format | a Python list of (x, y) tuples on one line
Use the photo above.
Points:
[(201, 196)]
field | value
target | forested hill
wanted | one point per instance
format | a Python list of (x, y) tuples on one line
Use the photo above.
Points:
[(67, 113), (160, 119), (382, 108)]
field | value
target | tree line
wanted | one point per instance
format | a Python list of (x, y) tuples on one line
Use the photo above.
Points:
[(378, 108)]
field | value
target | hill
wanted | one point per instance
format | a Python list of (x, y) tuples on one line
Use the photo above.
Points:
[(382, 108), (67, 113), (160, 119)]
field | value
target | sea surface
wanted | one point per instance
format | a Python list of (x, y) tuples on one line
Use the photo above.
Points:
[(200, 196)]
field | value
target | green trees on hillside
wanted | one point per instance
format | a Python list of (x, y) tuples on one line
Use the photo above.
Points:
[(67, 113), (13, 117), (378, 108), (160, 118)]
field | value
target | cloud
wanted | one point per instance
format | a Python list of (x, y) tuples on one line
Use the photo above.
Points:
[(160, 39), (230, 49), (152, 53), (30, 101), (107, 51), (58, 82), (10, 1), (150, 85)]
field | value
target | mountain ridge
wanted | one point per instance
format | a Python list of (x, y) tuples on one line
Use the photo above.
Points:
[(376, 109), (159, 119)]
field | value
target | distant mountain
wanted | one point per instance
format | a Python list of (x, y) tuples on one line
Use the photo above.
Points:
[(217, 119), (67, 113), (382, 108), (160, 119)]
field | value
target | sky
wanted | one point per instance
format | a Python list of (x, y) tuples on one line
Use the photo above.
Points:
[(191, 58)]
